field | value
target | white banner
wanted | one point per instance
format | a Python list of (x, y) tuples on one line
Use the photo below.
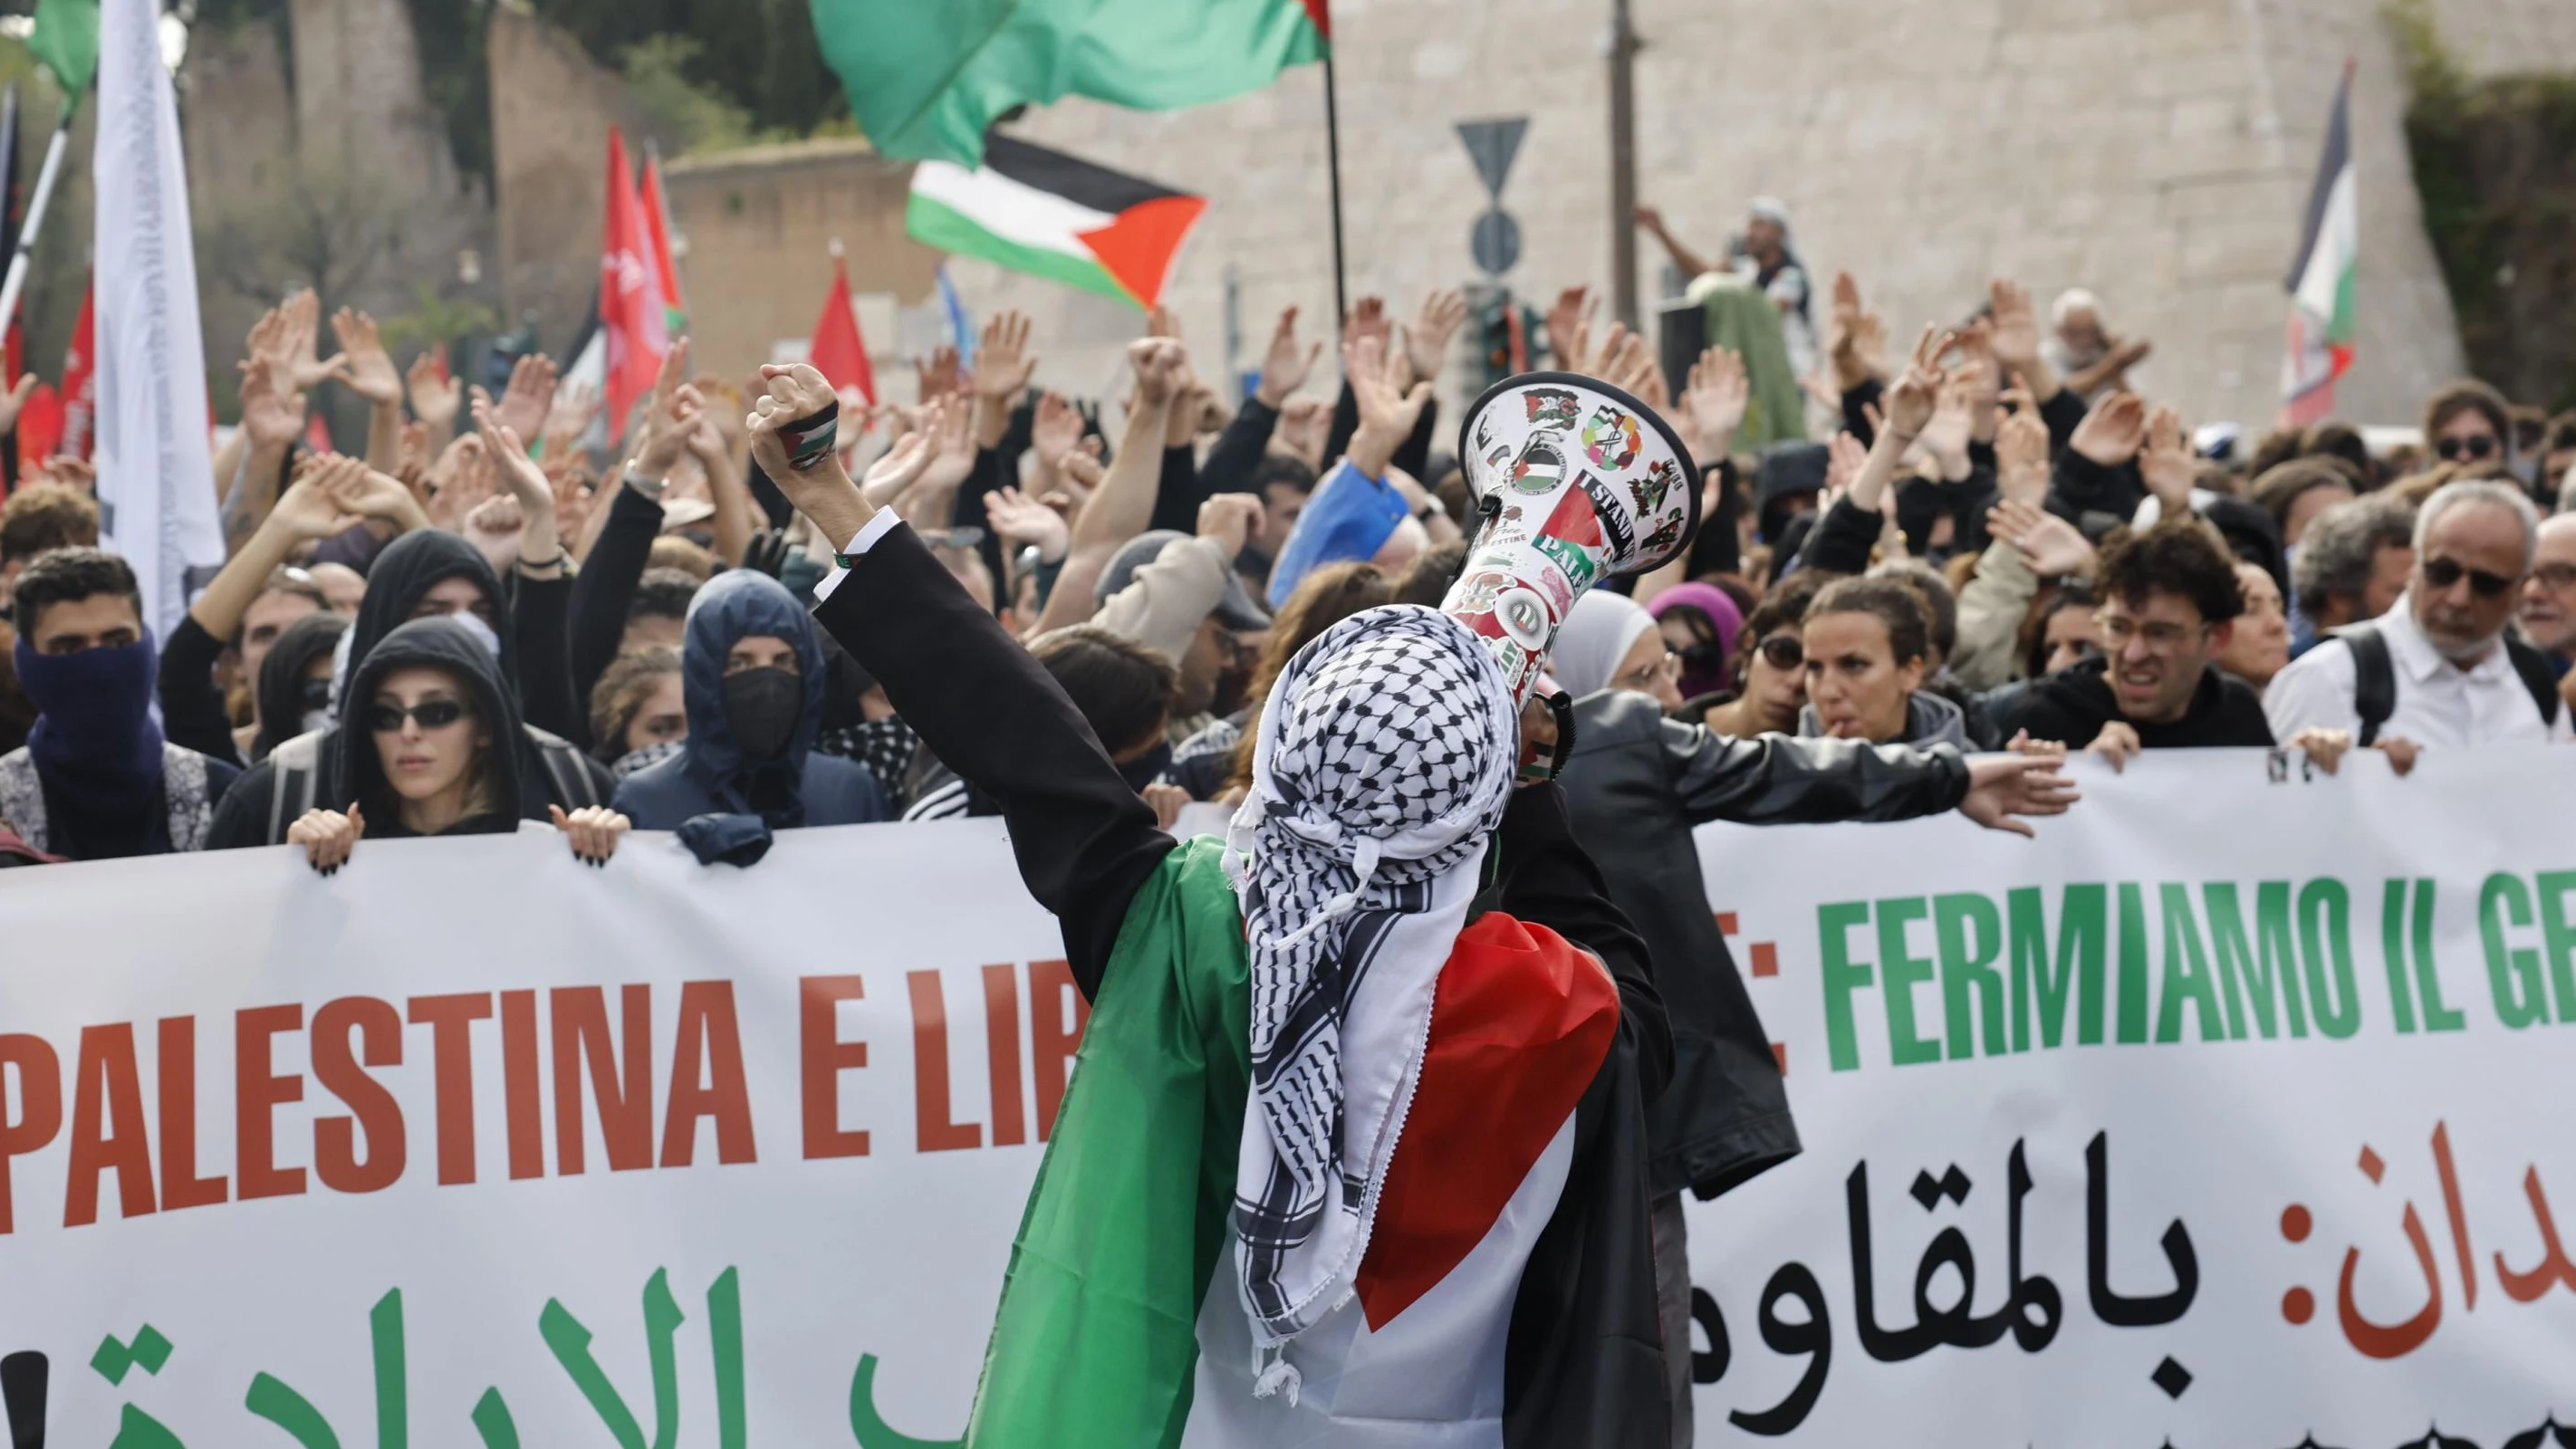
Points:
[(156, 488), (2225, 1113), (470, 1144)]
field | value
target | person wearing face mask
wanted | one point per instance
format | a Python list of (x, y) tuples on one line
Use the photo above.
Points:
[(752, 677), (418, 755), (96, 780), (294, 694), (1638, 782)]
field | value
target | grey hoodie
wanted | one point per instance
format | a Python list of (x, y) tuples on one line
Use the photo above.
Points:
[(1929, 720)]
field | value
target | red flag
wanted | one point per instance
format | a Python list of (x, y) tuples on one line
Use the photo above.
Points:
[(657, 223), (80, 380), (40, 428), (837, 350), (317, 434), (630, 296)]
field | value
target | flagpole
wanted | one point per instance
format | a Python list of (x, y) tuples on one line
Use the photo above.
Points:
[(1333, 159), (18, 263)]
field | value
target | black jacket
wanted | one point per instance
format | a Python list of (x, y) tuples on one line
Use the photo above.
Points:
[(2071, 706), (1638, 783)]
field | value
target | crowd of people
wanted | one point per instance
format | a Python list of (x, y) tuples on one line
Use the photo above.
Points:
[(2002, 554)]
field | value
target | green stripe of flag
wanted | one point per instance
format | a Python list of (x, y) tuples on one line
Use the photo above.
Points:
[(935, 223)]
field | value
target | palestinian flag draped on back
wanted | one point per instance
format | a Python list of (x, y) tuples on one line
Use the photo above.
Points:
[(1048, 214), (926, 77), (2321, 279)]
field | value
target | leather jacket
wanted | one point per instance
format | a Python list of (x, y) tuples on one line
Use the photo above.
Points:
[(1638, 782)]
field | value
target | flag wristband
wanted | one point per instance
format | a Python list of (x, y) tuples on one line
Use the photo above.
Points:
[(809, 439)]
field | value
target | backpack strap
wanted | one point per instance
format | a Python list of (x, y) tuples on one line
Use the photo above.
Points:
[(568, 782), (2534, 670), (293, 767), (2374, 678)]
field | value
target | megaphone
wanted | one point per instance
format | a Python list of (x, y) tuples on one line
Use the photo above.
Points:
[(1574, 482)]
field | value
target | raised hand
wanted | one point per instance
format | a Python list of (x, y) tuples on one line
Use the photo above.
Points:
[(1567, 320), (365, 367), (1387, 410), (515, 470), (302, 326), (1055, 429), (1368, 319), (2016, 325), (2166, 463), (1714, 398), (2113, 431), (892, 476), (1019, 519), (1855, 339), (1162, 369), (1844, 456), (531, 393), (435, 396), (667, 426), (953, 442), (1912, 398), (459, 482), (1285, 367), (1230, 520), (1945, 437), (570, 416), (1426, 342), (369, 494), (494, 528), (311, 507), (2050, 546), (935, 375), (274, 420), (1003, 362), (1305, 424), (2021, 458)]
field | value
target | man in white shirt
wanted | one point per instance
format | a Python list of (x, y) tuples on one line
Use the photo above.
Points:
[(2453, 678)]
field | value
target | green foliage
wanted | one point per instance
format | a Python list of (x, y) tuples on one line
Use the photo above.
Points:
[(2495, 166), (702, 117), (757, 55), (435, 320)]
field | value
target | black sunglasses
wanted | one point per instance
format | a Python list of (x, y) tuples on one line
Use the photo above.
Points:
[(2476, 445), (2441, 573), (433, 714), (1784, 651)]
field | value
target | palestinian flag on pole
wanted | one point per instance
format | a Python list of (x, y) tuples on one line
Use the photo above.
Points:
[(1048, 214), (925, 79), (2321, 279)]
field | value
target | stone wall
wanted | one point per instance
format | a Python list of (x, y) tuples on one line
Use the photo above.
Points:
[(2156, 151)]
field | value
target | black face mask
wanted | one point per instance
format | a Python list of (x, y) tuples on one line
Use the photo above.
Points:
[(763, 707)]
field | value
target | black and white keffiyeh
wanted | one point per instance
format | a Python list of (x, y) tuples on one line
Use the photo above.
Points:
[(1384, 762)]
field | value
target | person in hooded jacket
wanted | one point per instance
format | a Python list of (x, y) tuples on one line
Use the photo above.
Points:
[(430, 572), (293, 691), (424, 750), (753, 677), (1637, 782)]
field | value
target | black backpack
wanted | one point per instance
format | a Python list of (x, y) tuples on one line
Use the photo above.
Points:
[(2374, 678)]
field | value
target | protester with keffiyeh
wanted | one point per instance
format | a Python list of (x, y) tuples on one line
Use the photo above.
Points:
[(1440, 1171)]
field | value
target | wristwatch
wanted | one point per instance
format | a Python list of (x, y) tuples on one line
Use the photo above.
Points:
[(651, 488)]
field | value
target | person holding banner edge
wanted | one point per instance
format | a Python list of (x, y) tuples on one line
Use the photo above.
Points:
[(1403, 712)]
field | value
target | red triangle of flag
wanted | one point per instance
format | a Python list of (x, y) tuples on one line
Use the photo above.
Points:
[(1137, 246), (1321, 13), (837, 350)]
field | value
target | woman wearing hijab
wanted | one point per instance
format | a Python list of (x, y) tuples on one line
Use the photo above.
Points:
[(425, 751), (752, 676), (1699, 622), (1638, 782), (1867, 642), (1608, 642)]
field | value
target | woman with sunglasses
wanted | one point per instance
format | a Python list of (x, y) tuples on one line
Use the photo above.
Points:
[(1770, 667), (293, 696), (418, 754)]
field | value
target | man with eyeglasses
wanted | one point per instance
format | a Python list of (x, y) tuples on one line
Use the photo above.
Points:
[(2547, 614), (2170, 600), (2439, 670)]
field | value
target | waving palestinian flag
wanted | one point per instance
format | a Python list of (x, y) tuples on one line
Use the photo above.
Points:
[(925, 78), (1048, 214)]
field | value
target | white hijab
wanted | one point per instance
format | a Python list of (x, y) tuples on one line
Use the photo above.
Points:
[(1598, 632)]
